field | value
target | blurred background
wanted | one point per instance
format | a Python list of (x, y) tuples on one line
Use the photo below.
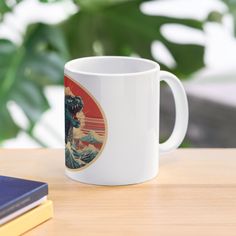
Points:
[(195, 39)]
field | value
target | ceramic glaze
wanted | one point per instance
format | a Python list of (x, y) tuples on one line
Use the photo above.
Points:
[(112, 128)]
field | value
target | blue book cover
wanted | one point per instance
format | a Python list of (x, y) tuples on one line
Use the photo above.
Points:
[(17, 193)]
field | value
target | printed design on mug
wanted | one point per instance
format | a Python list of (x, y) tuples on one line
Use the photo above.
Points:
[(85, 126)]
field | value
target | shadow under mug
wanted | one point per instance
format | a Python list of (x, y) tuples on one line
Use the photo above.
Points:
[(112, 119)]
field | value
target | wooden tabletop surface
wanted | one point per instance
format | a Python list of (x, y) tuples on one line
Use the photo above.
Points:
[(194, 194)]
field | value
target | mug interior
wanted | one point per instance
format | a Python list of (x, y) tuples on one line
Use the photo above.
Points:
[(111, 65)]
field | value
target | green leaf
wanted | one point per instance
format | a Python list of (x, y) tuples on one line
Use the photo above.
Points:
[(4, 7), (25, 70), (8, 128), (232, 10), (31, 99), (91, 5), (49, 1), (215, 16), (7, 6), (122, 29), (189, 58)]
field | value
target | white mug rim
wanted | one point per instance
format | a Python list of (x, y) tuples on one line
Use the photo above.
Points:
[(70, 68)]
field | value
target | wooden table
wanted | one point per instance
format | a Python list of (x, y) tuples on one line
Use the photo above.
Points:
[(194, 194)]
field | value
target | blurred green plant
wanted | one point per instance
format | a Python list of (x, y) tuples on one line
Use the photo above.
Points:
[(216, 16), (101, 27), (232, 11)]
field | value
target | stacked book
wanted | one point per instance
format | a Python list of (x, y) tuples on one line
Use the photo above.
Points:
[(23, 205)]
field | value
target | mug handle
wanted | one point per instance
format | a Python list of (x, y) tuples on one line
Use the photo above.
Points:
[(181, 111)]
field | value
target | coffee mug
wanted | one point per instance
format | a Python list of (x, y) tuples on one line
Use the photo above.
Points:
[(112, 119)]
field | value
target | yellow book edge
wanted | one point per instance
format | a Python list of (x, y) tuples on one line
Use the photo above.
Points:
[(28, 220)]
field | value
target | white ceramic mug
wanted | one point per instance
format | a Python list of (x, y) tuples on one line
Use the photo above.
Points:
[(112, 119)]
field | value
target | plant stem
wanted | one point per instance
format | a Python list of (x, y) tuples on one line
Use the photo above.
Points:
[(37, 140)]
